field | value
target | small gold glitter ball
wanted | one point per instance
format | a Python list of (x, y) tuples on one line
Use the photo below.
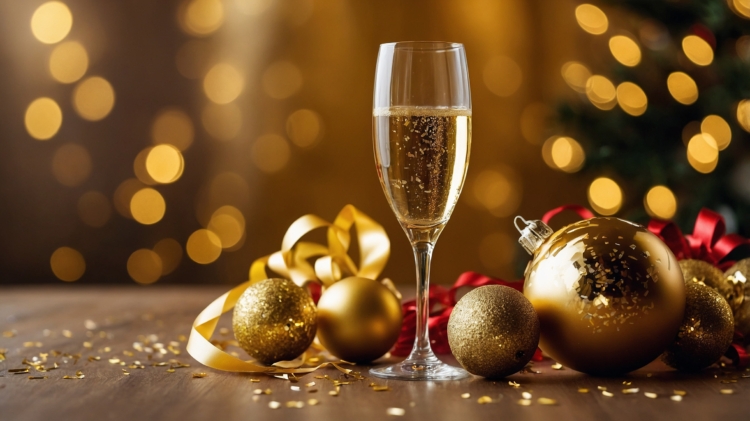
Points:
[(738, 276), (493, 331), (706, 331), (274, 320), (609, 295), (706, 273), (359, 319)]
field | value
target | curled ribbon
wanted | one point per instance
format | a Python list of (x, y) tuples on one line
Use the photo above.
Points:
[(332, 263)]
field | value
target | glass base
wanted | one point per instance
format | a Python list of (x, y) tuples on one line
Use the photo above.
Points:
[(423, 369)]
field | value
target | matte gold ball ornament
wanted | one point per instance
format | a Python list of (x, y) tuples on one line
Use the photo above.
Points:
[(274, 320), (738, 276), (609, 294), (359, 319), (700, 271), (706, 331), (493, 331)]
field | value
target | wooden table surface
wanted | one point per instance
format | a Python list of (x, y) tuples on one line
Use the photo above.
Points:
[(106, 322)]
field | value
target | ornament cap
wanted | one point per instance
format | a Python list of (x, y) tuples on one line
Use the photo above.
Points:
[(533, 233)]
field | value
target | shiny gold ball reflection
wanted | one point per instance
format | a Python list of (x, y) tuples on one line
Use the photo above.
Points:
[(738, 277), (274, 320), (698, 271), (609, 295)]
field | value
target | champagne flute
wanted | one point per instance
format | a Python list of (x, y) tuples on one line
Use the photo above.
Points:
[(422, 138)]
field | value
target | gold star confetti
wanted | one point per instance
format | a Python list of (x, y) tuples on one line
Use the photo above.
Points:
[(651, 395), (199, 375), (3, 351), (484, 399), (262, 392), (514, 384), (524, 402), (607, 394), (557, 366), (466, 395), (630, 391), (583, 390), (312, 402), (274, 405), (396, 412), (676, 398), (546, 401), (125, 372), (726, 391)]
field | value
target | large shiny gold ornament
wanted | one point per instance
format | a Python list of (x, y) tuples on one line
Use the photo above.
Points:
[(359, 319), (706, 331), (738, 276), (609, 294), (706, 273), (493, 331), (274, 320)]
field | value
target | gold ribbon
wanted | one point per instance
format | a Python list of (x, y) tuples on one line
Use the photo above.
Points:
[(332, 263)]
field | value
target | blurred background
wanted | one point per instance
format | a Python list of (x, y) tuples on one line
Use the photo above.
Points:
[(175, 141)]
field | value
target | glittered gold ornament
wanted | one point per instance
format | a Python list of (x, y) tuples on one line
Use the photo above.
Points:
[(274, 320), (359, 319), (493, 331), (609, 294), (737, 276), (706, 273), (706, 331)]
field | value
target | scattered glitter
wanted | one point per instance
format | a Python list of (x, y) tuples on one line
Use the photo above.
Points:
[(484, 399), (546, 401), (396, 412), (651, 395), (312, 402), (630, 391), (626, 383), (199, 375), (601, 387), (514, 384), (524, 402), (94, 358), (125, 372), (676, 398), (381, 388), (557, 366), (254, 380), (583, 390), (311, 384), (726, 391), (607, 394), (274, 405), (526, 395), (67, 333), (333, 392), (466, 395), (295, 404), (37, 377), (114, 361)]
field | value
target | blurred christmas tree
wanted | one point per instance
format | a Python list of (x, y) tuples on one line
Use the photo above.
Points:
[(661, 119)]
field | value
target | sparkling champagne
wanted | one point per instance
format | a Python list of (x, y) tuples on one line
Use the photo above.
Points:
[(422, 156)]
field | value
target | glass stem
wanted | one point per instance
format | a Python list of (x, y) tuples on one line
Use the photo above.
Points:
[(422, 256)]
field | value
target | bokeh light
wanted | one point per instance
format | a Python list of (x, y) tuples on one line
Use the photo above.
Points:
[(592, 19), (502, 76), (93, 98), (660, 202), (228, 224), (631, 98), (743, 114), (740, 7), (203, 246), (71, 164), (68, 62), (304, 128), (170, 253), (165, 163), (226, 188), (625, 50), (67, 264), (193, 58), (499, 190), (201, 17), (222, 122), (94, 209), (601, 92), (223, 83), (691, 129), (51, 22), (144, 266), (124, 194), (173, 126), (281, 80), (605, 196), (139, 167), (697, 50), (253, 7), (43, 118), (563, 153), (703, 153), (497, 250), (682, 88), (717, 128), (576, 75), (147, 206), (270, 153)]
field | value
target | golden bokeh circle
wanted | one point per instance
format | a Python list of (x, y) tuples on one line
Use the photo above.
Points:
[(68, 62), (567, 154), (697, 50), (592, 19), (124, 194), (281, 80), (203, 246), (94, 209), (605, 196), (719, 129), (67, 264), (223, 83), (223, 122), (147, 206), (51, 22), (229, 230), (625, 50), (201, 17), (682, 88), (601, 92), (631, 98), (270, 153), (703, 153), (71, 164), (43, 118), (304, 128), (144, 266), (743, 114), (660, 202), (502, 76), (139, 167), (165, 163), (576, 75), (170, 252), (740, 7), (173, 126), (93, 98)]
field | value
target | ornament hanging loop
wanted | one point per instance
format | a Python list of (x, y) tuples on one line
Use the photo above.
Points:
[(533, 233)]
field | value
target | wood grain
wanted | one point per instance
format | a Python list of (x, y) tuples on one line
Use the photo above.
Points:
[(126, 315)]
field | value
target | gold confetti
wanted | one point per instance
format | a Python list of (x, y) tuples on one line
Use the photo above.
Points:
[(295, 388), (254, 380), (67, 333), (333, 392), (679, 392), (312, 402), (466, 395), (651, 395), (583, 390), (626, 383), (18, 370), (312, 390), (37, 377), (484, 399), (93, 358), (726, 391), (601, 387), (526, 395), (676, 398), (514, 384), (557, 366), (524, 402), (170, 370), (311, 384), (381, 388), (79, 374), (607, 394), (274, 405), (125, 372), (546, 401), (127, 353), (728, 381), (9, 333), (630, 391), (199, 375), (114, 361), (295, 404), (396, 412)]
